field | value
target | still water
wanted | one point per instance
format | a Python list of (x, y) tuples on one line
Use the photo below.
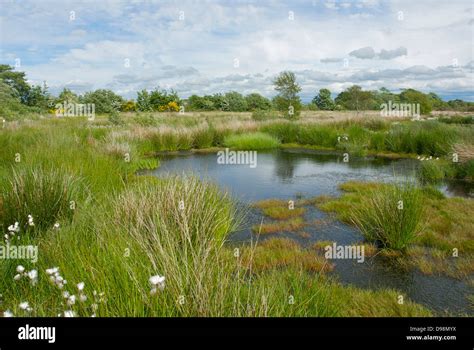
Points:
[(294, 174)]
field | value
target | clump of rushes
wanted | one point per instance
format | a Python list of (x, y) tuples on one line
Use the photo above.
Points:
[(278, 209), (390, 216), (433, 171), (251, 141), (39, 193), (291, 225)]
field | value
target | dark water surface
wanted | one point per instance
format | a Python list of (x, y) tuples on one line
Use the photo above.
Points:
[(304, 174)]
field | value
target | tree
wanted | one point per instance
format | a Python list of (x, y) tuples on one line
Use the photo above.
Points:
[(287, 99), (256, 101), (38, 96), (436, 101), (10, 102), (143, 101), (67, 96), (323, 100), (198, 103), (105, 101), (417, 97), (354, 98), (15, 80), (235, 102)]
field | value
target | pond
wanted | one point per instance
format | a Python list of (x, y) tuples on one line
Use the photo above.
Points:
[(293, 174)]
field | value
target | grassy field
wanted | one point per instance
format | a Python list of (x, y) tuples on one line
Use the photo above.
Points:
[(102, 225)]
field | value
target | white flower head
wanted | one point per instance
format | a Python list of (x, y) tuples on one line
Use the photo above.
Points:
[(33, 275), (24, 305), (80, 286), (82, 298), (7, 313), (71, 300), (20, 269), (156, 280), (52, 270), (17, 277), (56, 225)]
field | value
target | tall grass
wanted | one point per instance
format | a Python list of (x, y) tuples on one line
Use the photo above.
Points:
[(251, 141), (46, 194), (431, 138), (433, 171), (390, 215)]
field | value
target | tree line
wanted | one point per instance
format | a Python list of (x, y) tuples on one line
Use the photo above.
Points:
[(17, 96)]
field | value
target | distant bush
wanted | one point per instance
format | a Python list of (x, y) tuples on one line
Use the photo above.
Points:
[(105, 101)]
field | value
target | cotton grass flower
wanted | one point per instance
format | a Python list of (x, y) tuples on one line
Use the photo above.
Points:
[(156, 282), (56, 226), (25, 306), (32, 275), (55, 277), (7, 313), (71, 300), (30, 220), (14, 228)]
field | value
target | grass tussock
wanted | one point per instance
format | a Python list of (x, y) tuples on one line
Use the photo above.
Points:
[(390, 216), (48, 195)]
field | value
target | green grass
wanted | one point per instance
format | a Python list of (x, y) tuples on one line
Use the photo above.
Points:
[(126, 228), (251, 141), (433, 171)]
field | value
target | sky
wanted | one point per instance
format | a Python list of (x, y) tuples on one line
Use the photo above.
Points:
[(204, 47)]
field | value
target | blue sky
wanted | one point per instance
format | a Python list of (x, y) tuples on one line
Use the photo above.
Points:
[(215, 46)]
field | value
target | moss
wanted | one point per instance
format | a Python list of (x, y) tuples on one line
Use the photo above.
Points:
[(291, 225), (282, 252)]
